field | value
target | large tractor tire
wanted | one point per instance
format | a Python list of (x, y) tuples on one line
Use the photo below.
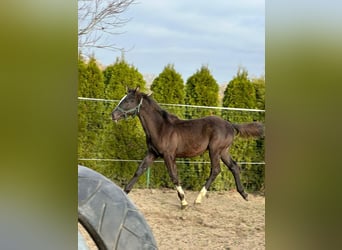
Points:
[(111, 219)]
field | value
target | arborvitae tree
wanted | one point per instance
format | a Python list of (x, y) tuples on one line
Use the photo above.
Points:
[(202, 89), (82, 76), (240, 93), (90, 113), (82, 106), (168, 88), (91, 84), (119, 76), (259, 85)]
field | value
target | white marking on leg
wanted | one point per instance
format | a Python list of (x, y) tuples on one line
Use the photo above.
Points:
[(183, 202), (201, 195), (180, 190)]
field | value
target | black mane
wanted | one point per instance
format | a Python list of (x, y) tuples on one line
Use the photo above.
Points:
[(166, 115)]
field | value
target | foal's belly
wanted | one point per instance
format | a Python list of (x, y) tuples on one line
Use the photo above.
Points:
[(191, 149)]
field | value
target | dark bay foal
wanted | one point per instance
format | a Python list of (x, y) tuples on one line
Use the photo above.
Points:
[(169, 137)]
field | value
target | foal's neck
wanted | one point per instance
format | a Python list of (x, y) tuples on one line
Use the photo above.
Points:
[(151, 118)]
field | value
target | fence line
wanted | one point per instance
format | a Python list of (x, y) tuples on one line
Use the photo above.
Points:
[(178, 105), (148, 172), (160, 161), (96, 99)]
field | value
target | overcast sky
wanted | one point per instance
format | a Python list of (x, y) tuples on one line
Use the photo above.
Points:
[(222, 34)]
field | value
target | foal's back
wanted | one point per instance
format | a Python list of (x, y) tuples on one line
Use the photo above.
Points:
[(195, 135), (205, 126)]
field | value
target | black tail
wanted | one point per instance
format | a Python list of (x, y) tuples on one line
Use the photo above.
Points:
[(253, 129)]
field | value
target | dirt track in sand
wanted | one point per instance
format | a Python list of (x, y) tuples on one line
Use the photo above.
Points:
[(223, 221)]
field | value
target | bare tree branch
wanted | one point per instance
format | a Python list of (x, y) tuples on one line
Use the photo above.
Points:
[(98, 20)]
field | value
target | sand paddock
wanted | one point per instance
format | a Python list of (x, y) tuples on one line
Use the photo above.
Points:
[(223, 221)]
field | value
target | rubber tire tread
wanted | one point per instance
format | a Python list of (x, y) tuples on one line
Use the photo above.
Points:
[(109, 216)]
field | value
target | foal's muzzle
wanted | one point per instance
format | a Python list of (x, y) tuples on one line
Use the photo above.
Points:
[(116, 115)]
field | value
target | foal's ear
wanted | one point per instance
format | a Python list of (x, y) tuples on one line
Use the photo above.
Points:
[(137, 89), (128, 89)]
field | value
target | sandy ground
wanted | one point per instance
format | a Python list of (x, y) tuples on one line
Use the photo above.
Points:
[(223, 221), (90, 244)]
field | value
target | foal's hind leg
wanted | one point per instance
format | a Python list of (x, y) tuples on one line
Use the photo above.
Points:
[(235, 169), (214, 171)]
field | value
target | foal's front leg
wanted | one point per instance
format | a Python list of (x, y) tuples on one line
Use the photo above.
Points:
[(171, 166), (148, 160)]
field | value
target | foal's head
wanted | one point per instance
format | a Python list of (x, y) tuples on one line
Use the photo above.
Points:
[(128, 106)]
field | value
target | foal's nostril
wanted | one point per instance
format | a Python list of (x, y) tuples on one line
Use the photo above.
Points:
[(115, 115)]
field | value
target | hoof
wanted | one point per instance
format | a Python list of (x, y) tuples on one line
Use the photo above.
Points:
[(184, 206), (245, 196), (197, 202)]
